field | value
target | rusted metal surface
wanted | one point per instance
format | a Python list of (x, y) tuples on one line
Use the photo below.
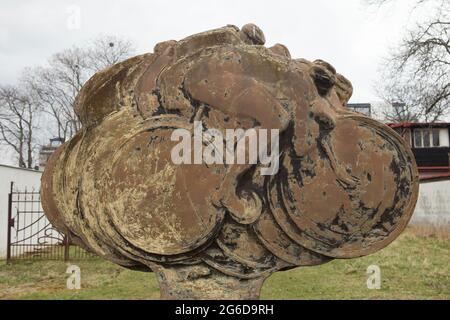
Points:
[(346, 187)]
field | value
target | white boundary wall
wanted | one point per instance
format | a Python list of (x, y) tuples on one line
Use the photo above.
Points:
[(433, 205), (22, 178)]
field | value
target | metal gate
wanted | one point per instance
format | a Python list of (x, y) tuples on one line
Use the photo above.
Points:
[(31, 235)]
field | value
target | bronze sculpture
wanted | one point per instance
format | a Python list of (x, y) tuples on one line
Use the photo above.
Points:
[(346, 185)]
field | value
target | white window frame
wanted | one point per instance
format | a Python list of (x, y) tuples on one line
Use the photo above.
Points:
[(422, 137)]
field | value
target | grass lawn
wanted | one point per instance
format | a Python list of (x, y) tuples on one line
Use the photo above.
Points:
[(413, 267)]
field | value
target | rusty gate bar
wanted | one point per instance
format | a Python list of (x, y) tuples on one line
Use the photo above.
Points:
[(9, 222), (66, 248)]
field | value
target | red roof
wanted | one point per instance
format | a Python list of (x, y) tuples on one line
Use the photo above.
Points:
[(419, 125)]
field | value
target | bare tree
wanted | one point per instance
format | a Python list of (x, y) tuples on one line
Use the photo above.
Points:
[(57, 84), (48, 94), (106, 51), (18, 124), (401, 103), (417, 72)]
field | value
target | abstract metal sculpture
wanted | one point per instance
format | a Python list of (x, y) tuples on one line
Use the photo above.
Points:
[(346, 185)]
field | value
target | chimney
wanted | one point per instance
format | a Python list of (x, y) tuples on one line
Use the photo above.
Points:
[(47, 150)]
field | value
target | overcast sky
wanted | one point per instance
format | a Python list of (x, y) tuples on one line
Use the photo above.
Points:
[(347, 33)]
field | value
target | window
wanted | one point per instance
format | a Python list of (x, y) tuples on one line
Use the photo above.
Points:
[(435, 137), (426, 138), (417, 138)]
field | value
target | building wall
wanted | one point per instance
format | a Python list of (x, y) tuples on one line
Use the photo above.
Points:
[(22, 178), (444, 137), (433, 205), (432, 157), (407, 137), (406, 134)]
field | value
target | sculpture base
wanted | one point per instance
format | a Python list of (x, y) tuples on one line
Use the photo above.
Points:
[(200, 282)]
